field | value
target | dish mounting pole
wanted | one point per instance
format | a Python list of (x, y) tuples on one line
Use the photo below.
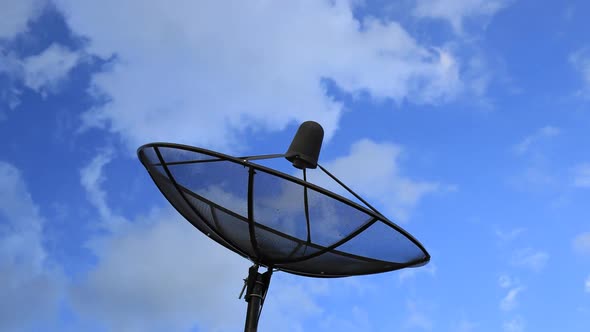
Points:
[(257, 285)]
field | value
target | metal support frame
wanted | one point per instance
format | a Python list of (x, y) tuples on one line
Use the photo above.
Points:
[(257, 285)]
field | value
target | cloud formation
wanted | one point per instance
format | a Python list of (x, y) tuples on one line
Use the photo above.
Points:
[(510, 235), (582, 175), (581, 243), (543, 133), (92, 178), (464, 325), (385, 183), (410, 274), (580, 60), (516, 324), (45, 71), (159, 273), (505, 281), (510, 301), (180, 68), (30, 282), (156, 272), (456, 12), (16, 16), (417, 319), (529, 258)]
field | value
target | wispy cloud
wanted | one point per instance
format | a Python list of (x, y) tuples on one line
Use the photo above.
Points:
[(92, 179), (506, 281), (31, 282), (11, 70), (385, 183), (580, 60), (456, 12), (464, 325), (510, 301), (124, 290), (16, 16), (516, 324), (357, 320), (535, 260), (581, 243), (270, 66), (543, 133), (417, 319), (45, 71), (587, 285), (510, 235), (42, 72), (532, 148), (581, 175), (409, 274), (151, 274)]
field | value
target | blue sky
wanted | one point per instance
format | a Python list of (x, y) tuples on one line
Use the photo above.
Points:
[(469, 119)]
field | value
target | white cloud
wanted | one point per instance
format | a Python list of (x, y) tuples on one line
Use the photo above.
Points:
[(456, 12), (92, 178), (582, 175), (581, 243), (11, 69), (9, 100), (464, 325), (291, 302), (580, 60), (417, 319), (516, 324), (507, 236), (299, 304), (30, 282), (587, 285), (42, 72), (478, 75), (45, 71), (510, 301), (543, 133), (505, 281), (381, 179), (159, 273), (187, 66), (531, 259), (357, 320), (9, 63), (155, 273), (16, 15), (410, 273)]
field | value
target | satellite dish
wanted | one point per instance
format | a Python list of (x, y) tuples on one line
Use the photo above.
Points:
[(277, 220)]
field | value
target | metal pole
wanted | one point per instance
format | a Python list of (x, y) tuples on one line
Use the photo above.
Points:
[(256, 292)]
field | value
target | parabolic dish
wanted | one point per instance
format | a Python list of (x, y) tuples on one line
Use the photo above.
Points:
[(260, 213)]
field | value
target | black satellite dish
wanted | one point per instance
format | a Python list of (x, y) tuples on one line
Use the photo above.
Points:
[(276, 220)]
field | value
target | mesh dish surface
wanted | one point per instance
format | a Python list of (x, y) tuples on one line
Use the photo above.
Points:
[(260, 213)]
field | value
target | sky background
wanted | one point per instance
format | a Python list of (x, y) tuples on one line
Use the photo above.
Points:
[(465, 121)]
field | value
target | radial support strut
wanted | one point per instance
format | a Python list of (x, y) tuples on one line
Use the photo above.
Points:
[(257, 285)]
